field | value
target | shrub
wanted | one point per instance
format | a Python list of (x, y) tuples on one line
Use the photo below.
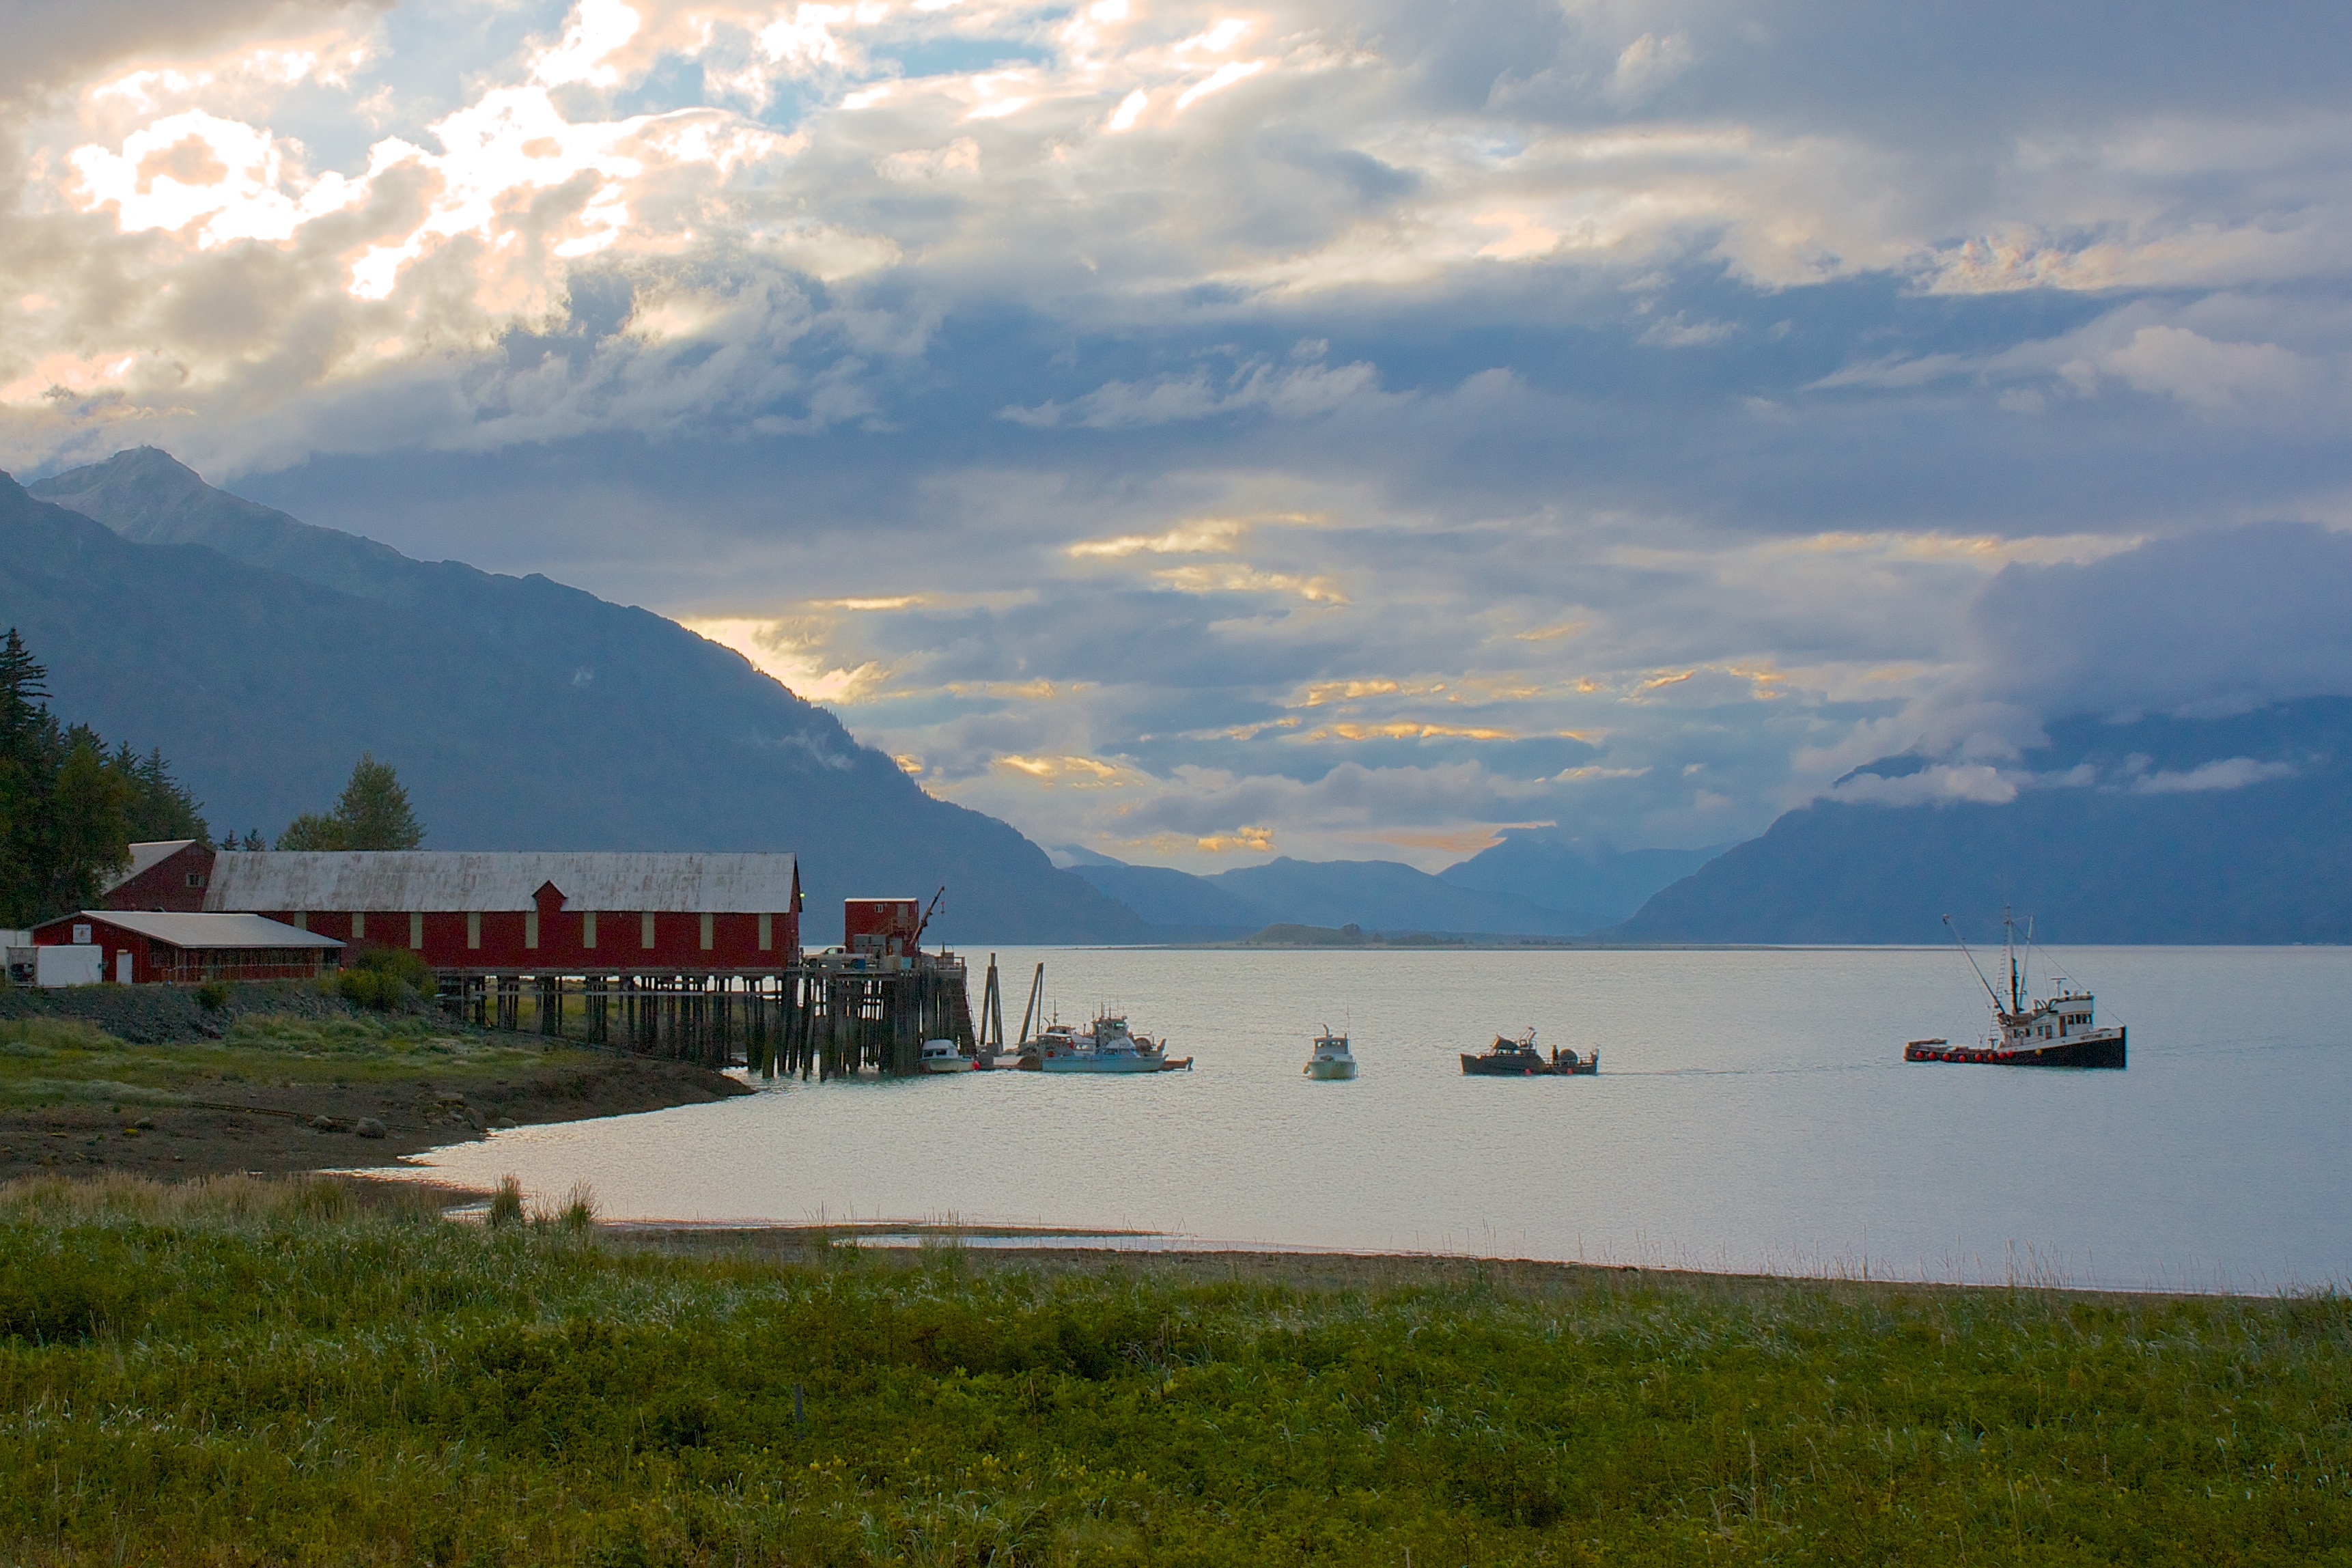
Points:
[(383, 977), (213, 995), (506, 1203)]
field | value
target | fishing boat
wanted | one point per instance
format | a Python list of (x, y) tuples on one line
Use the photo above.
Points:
[(1507, 1058), (1108, 1047), (941, 1056), (1331, 1058), (2061, 1030)]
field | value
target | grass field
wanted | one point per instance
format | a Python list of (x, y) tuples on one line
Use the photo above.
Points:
[(283, 1372), (50, 1061)]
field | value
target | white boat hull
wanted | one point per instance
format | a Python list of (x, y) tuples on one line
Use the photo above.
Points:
[(1326, 1071), (961, 1064), (1088, 1061)]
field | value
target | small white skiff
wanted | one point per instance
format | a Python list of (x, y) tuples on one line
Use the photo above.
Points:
[(941, 1056), (1331, 1058)]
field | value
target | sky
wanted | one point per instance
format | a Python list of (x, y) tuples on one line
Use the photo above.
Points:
[(1202, 432)]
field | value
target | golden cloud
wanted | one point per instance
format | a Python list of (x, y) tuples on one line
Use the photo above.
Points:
[(1240, 579), (1205, 536), (1409, 729), (1078, 773)]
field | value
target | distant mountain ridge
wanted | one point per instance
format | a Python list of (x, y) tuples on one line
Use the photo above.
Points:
[(2159, 830), (264, 653), (1503, 897)]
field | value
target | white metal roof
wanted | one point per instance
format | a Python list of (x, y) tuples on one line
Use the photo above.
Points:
[(194, 930), (719, 882), (144, 857)]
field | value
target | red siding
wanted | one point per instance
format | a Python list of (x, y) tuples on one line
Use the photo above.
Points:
[(153, 961), (678, 940), (881, 925), (164, 885)]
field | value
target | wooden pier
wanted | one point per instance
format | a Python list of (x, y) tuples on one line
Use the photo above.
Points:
[(829, 1015)]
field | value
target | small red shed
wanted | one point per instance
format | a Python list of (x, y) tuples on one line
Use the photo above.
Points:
[(142, 947), (890, 926)]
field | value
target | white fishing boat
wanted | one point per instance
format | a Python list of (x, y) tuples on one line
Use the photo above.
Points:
[(2062, 1030), (1108, 1047), (1331, 1058), (941, 1056)]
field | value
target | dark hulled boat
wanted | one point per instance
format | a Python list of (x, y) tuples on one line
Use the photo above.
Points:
[(1521, 1058), (2060, 1031)]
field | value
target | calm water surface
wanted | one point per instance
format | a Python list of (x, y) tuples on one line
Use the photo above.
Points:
[(1752, 1113)]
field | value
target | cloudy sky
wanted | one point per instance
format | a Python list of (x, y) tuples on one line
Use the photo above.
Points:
[(1200, 431)]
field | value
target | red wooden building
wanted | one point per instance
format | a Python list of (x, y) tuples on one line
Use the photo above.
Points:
[(142, 947), (695, 913), (173, 874)]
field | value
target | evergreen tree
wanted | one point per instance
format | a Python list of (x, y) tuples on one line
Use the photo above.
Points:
[(160, 806), (89, 828), (253, 839), (372, 813), (70, 808), (312, 830)]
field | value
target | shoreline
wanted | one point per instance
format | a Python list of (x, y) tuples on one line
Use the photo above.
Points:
[(294, 1082), (1084, 1250)]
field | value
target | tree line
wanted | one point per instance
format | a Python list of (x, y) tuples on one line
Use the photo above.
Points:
[(70, 806)]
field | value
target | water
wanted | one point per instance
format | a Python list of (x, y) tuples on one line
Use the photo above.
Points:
[(1752, 1113)]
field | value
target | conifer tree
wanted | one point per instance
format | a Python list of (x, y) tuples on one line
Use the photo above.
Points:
[(70, 808), (372, 813)]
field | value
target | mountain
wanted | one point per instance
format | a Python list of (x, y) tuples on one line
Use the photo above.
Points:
[(1543, 866), (1377, 895), (2157, 830), (1180, 906), (264, 655)]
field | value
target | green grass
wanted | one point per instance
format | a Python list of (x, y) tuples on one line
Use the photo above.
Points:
[(50, 1061), (247, 1371)]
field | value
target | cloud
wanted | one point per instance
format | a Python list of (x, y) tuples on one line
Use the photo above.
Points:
[(1679, 395), (2218, 618), (1942, 784), (1294, 393), (2234, 773)]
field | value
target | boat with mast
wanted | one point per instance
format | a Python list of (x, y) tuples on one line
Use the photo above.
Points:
[(2059, 1031)]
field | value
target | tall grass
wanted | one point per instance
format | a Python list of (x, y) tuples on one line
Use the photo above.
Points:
[(248, 1371)]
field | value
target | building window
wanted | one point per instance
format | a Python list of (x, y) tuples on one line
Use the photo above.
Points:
[(301, 920), (530, 928), (195, 879), (359, 924), (588, 928), (646, 932), (707, 923), (416, 928), (767, 934), (473, 928)]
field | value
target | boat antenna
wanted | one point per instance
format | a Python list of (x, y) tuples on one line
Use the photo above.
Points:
[(1973, 965), (2009, 946)]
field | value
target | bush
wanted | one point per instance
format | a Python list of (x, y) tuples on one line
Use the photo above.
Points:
[(383, 977), (506, 1203), (213, 995)]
